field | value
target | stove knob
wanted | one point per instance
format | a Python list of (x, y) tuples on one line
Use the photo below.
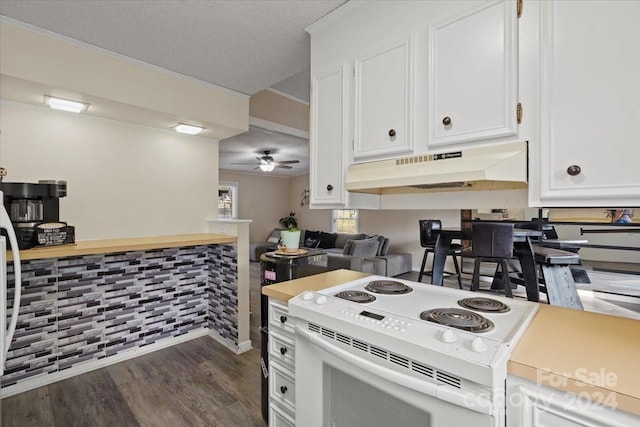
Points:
[(307, 296), (448, 336), (321, 300), (478, 345)]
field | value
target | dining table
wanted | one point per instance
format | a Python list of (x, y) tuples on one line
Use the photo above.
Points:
[(522, 250)]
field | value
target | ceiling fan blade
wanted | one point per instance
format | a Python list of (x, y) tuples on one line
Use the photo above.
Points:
[(254, 163), (288, 162), (283, 166)]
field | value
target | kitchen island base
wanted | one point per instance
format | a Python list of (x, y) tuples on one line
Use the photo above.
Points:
[(84, 312)]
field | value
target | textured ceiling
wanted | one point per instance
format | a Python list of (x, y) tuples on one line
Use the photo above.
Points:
[(242, 45)]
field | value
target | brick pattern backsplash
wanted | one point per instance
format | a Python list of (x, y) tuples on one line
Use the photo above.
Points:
[(223, 292), (79, 309)]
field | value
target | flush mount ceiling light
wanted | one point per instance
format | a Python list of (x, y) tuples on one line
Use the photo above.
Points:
[(267, 166), (188, 129), (65, 104)]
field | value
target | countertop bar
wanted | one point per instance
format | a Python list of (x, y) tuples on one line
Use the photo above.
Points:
[(565, 348), (88, 247), (562, 348)]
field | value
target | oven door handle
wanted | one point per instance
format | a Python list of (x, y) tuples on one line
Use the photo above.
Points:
[(373, 368), (448, 394)]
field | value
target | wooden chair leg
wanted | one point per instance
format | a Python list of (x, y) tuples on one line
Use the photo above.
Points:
[(475, 280), (506, 279), (457, 267), (424, 261)]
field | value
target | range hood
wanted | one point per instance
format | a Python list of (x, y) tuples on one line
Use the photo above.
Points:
[(496, 167)]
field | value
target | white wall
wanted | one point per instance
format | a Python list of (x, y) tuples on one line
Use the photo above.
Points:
[(402, 229), (263, 198), (124, 180), (308, 219)]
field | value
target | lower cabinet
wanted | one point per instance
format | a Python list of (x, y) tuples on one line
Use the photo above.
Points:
[(282, 387), (533, 405)]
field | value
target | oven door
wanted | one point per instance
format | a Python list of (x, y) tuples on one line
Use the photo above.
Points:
[(337, 388)]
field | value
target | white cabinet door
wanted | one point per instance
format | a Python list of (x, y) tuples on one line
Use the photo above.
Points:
[(534, 405), (590, 104), (384, 101), (473, 76), (328, 142)]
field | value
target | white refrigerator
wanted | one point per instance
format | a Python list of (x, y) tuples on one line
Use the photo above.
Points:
[(6, 331)]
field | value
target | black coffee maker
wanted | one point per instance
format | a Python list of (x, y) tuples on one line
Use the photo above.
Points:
[(34, 209)]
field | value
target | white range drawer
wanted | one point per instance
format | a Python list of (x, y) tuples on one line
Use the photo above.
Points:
[(282, 350), (282, 386), (278, 417), (279, 319)]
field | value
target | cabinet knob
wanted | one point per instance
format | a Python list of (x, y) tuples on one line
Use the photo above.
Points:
[(283, 389), (392, 133), (283, 319), (283, 350), (329, 187), (574, 170), (446, 121)]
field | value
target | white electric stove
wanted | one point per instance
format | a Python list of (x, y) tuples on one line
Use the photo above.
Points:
[(417, 339)]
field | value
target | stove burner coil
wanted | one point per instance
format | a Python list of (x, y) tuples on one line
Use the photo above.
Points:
[(458, 318), (388, 287), (360, 297), (486, 305)]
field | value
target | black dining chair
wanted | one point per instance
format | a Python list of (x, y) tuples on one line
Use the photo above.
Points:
[(428, 239), (492, 242)]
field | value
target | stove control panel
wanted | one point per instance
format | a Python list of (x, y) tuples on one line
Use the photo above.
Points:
[(375, 319)]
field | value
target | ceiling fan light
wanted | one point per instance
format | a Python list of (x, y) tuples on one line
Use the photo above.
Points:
[(267, 167), (188, 129)]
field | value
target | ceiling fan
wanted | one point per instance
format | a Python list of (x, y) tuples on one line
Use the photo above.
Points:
[(267, 163)]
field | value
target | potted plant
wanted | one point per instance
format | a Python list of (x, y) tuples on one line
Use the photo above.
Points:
[(290, 237)]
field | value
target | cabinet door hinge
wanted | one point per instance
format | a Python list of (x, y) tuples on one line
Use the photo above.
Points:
[(520, 6), (519, 113)]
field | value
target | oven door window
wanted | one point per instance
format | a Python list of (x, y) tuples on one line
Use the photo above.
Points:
[(366, 406)]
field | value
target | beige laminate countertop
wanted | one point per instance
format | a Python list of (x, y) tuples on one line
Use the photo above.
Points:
[(89, 247), (562, 348), (582, 352), (286, 290)]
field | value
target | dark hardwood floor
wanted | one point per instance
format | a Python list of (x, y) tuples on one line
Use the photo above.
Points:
[(197, 383)]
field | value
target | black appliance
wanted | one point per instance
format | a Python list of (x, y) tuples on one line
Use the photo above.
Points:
[(276, 268), (34, 209)]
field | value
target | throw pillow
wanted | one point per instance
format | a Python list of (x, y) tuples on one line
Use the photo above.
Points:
[(273, 239), (308, 234), (275, 233), (346, 250), (384, 247), (327, 240), (311, 243), (367, 248)]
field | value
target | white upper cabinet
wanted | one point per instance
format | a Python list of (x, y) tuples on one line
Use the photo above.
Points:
[(384, 101), (589, 151), (328, 139), (473, 75)]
